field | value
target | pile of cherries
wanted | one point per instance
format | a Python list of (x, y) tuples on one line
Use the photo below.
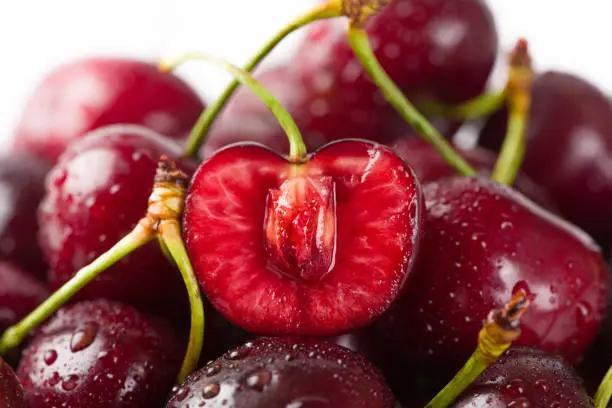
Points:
[(357, 275)]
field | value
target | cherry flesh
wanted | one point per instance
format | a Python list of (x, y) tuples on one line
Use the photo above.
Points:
[(317, 248), (96, 194), (569, 148), (20, 293), (429, 166), (97, 353), (22, 182), (91, 93), (525, 377), (285, 372), (482, 242), (11, 392)]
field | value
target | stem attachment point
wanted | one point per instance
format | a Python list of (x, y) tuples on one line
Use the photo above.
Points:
[(360, 11)]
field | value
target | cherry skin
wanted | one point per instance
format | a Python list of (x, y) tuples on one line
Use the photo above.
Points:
[(20, 293), (569, 148), (100, 354), (317, 248), (482, 242), (430, 166), (22, 182), (11, 392), (96, 194), (525, 377), (91, 93), (285, 372)]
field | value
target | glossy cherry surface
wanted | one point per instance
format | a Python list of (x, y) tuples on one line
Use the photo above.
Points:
[(285, 372), (11, 392), (482, 242), (91, 93), (20, 293), (526, 378), (22, 187), (96, 194), (317, 248), (569, 148), (100, 354)]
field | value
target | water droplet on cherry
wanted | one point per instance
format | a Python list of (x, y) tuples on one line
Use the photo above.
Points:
[(83, 337), (259, 380)]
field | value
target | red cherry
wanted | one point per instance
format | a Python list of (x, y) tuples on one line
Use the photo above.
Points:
[(482, 242), (91, 93), (11, 392), (20, 293), (569, 148), (525, 377), (22, 179), (96, 194), (283, 373), (93, 354), (317, 248)]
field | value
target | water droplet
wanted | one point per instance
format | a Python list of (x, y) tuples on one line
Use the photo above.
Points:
[(506, 225), (211, 391), (519, 403), (259, 380), (583, 313), (114, 188), (70, 383), (239, 353), (542, 384), (213, 370), (553, 289), (83, 337), (49, 357), (515, 387), (55, 379), (181, 394)]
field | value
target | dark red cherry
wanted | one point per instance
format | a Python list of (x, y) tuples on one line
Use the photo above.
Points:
[(482, 242), (91, 93), (430, 166), (100, 354), (11, 392), (20, 293), (22, 187), (285, 373), (526, 378), (569, 148), (317, 248), (96, 194)]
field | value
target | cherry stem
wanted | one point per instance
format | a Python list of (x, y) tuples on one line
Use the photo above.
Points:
[(604, 391), (518, 89), (170, 232), (361, 46), (297, 148), (496, 336), (478, 107), (198, 134), (14, 335)]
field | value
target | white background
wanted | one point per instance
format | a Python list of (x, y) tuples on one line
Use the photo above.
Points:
[(36, 35)]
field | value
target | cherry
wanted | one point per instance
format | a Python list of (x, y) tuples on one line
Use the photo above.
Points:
[(11, 392), (285, 372), (91, 93), (483, 241), (429, 166), (318, 247), (22, 180), (569, 145), (96, 194), (525, 377), (20, 293), (100, 354)]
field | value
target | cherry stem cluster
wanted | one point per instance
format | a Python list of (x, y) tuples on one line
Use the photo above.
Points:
[(297, 148), (161, 221), (329, 9), (499, 331)]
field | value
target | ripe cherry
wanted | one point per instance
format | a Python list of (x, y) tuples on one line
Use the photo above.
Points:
[(285, 372), (91, 93), (11, 392), (97, 353), (483, 241), (20, 293), (525, 377), (97, 193)]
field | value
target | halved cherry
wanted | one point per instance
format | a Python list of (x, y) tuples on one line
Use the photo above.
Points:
[(317, 247)]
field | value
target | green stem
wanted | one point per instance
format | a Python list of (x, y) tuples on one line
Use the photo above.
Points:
[(327, 10), (513, 149), (604, 391), (297, 148), (14, 335), (170, 232), (362, 49), (476, 108)]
